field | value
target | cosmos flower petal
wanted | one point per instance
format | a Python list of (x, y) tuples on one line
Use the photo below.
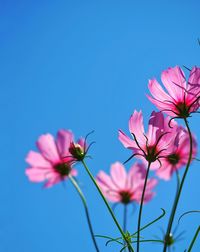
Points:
[(193, 84), (147, 196), (151, 183), (174, 81), (52, 181), (36, 159), (136, 175), (64, 139), (126, 141), (47, 146), (165, 172), (38, 174), (118, 174), (136, 126), (163, 106), (157, 91), (105, 181), (156, 125), (81, 142)]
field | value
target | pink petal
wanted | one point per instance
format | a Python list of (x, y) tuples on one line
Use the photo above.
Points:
[(106, 181), (126, 141), (156, 125), (48, 148), (136, 176), (193, 84), (118, 174), (81, 142), (157, 92), (148, 196), (151, 183), (52, 181), (109, 193), (137, 168), (36, 159), (184, 147), (165, 171), (174, 81), (37, 174), (165, 107), (64, 139), (136, 127)]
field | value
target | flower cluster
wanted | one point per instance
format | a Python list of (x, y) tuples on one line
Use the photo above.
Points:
[(164, 148)]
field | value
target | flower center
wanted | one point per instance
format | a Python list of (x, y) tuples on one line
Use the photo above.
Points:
[(125, 197), (151, 155), (63, 169), (183, 109), (173, 159)]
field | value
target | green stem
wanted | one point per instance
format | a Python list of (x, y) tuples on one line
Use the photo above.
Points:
[(171, 219), (141, 206), (108, 207), (194, 239), (125, 218), (75, 184), (125, 221)]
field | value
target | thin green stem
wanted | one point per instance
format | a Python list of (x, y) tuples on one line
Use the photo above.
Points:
[(141, 206), (194, 239), (125, 218), (75, 184), (125, 221), (178, 180), (108, 207), (173, 212)]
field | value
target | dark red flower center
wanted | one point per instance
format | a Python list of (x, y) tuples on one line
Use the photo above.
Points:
[(63, 169), (151, 155), (125, 197), (183, 109), (173, 158)]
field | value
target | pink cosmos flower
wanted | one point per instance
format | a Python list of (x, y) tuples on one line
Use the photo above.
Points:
[(178, 156), (49, 165), (123, 187), (181, 98), (155, 143)]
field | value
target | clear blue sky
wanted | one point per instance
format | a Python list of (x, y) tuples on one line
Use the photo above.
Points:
[(84, 65)]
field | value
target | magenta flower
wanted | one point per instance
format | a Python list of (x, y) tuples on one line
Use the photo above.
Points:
[(178, 156), (155, 143), (123, 187), (49, 165), (181, 98)]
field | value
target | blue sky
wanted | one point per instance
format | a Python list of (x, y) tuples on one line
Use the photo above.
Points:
[(84, 65)]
